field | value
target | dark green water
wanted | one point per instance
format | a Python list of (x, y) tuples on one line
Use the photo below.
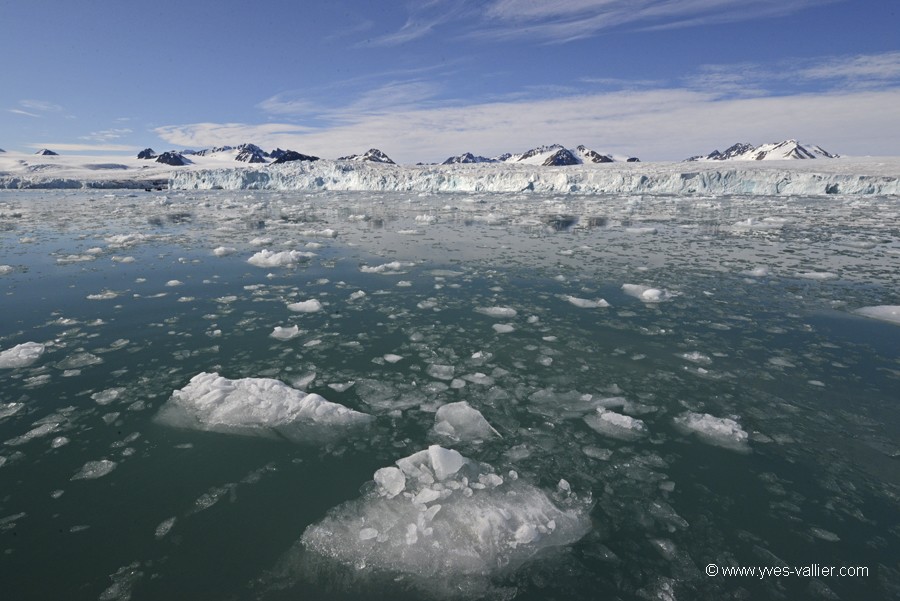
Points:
[(781, 352)]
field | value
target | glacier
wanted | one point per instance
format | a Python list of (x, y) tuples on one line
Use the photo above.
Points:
[(777, 178)]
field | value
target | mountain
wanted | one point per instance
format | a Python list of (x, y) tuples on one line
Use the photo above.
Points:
[(776, 151), (46, 153), (373, 156), (466, 158), (250, 153), (176, 159), (147, 153), (287, 156), (556, 155)]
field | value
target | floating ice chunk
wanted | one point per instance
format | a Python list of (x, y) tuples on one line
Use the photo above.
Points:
[(640, 230), (499, 312), (357, 295), (441, 372), (164, 528), (757, 272), (105, 295), (647, 293), (503, 328), (391, 480), (286, 258), (461, 422), (696, 357), (817, 275), (583, 303), (8, 409), (173, 283), (21, 355), (105, 397), (890, 313), (94, 469), (283, 333), (223, 251), (766, 223), (392, 358), (616, 425), (719, 431), (79, 360), (458, 544), (308, 306), (6, 269), (387, 268), (261, 241), (37, 432), (257, 407)]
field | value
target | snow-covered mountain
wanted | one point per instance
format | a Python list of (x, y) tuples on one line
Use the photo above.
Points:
[(776, 151), (555, 155), (45, 152), (467, 158), (373, 155)]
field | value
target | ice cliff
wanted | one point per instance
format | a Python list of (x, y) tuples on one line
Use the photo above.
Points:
[(780, 179)]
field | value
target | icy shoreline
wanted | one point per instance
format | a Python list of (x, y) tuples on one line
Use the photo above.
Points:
[(846, 176)]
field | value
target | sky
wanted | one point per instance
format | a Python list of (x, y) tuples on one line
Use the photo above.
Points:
[(425, 80)]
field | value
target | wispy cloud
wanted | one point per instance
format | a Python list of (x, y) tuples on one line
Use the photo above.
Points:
[(24, 113), (107, 135), (40, 106), (424, 18), (68, 147), (201, 135)]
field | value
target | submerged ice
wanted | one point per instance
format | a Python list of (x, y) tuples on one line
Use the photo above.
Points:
[(259, 407), (439, 517)]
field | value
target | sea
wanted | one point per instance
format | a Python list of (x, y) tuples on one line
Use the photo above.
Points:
[(656, 397)]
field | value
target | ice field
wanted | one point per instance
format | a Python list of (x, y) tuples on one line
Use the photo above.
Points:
[(212, 394)]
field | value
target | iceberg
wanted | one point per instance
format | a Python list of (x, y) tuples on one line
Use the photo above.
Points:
[(21, 355), (439, 519), (888, 313), (286, 258), (718, 431), (258, 407), (461, 422)]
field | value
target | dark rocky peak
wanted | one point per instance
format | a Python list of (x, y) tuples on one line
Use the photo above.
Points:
[(173, 158), (502, 158), (147, 153), (731, 152), (541, 150), (467, 157), (632, 160), (44, 152), (560, 158), (286, 156), (250, 153)]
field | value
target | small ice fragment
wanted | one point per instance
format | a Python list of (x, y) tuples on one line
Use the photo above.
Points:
[(583, 303), (615, 425), (647, 293), (387, 268), (173, 283), (441, 372), (368, 534), (309, 306), (95, 469), (426, 496), (460, 421), (526, 533), (21, 355), (221, 251), (499, 312), (59, 441), (391, 358), (164, 527), (391, 480), (105, 397), (817, 275), (287, 258), (6, 269), (719, 431), (357, 295), (285, 333), (445, 462), (503, 328)]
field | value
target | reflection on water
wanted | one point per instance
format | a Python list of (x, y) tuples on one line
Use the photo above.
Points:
[(690, 370)]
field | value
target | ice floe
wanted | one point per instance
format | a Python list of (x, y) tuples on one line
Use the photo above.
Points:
[(285, 333), (648, 294), (499, 312), (584, 303), (21, 355), (257, 407), (285, 258), (461, 422), (312, 305), (616, 425), (94, 469), (889, 313), (394, 267), (444, 521), (719, 431)]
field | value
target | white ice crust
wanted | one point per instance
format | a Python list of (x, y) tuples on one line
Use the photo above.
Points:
[(438, 515), (21, 355), (615, 425), (257, 406), (718, 431)]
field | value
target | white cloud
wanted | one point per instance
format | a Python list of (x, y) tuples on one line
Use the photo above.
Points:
[(66, 147), (107, 135), (21, 112), (663, 124), (40, 106)]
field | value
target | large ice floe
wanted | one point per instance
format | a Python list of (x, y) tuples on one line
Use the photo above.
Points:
[(285, 258), (461, 422), (889, 313), (718, 431), (21, 355), (448, 524), (258, 407)]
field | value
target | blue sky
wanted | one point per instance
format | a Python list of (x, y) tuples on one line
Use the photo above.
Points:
[(660, 79)]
